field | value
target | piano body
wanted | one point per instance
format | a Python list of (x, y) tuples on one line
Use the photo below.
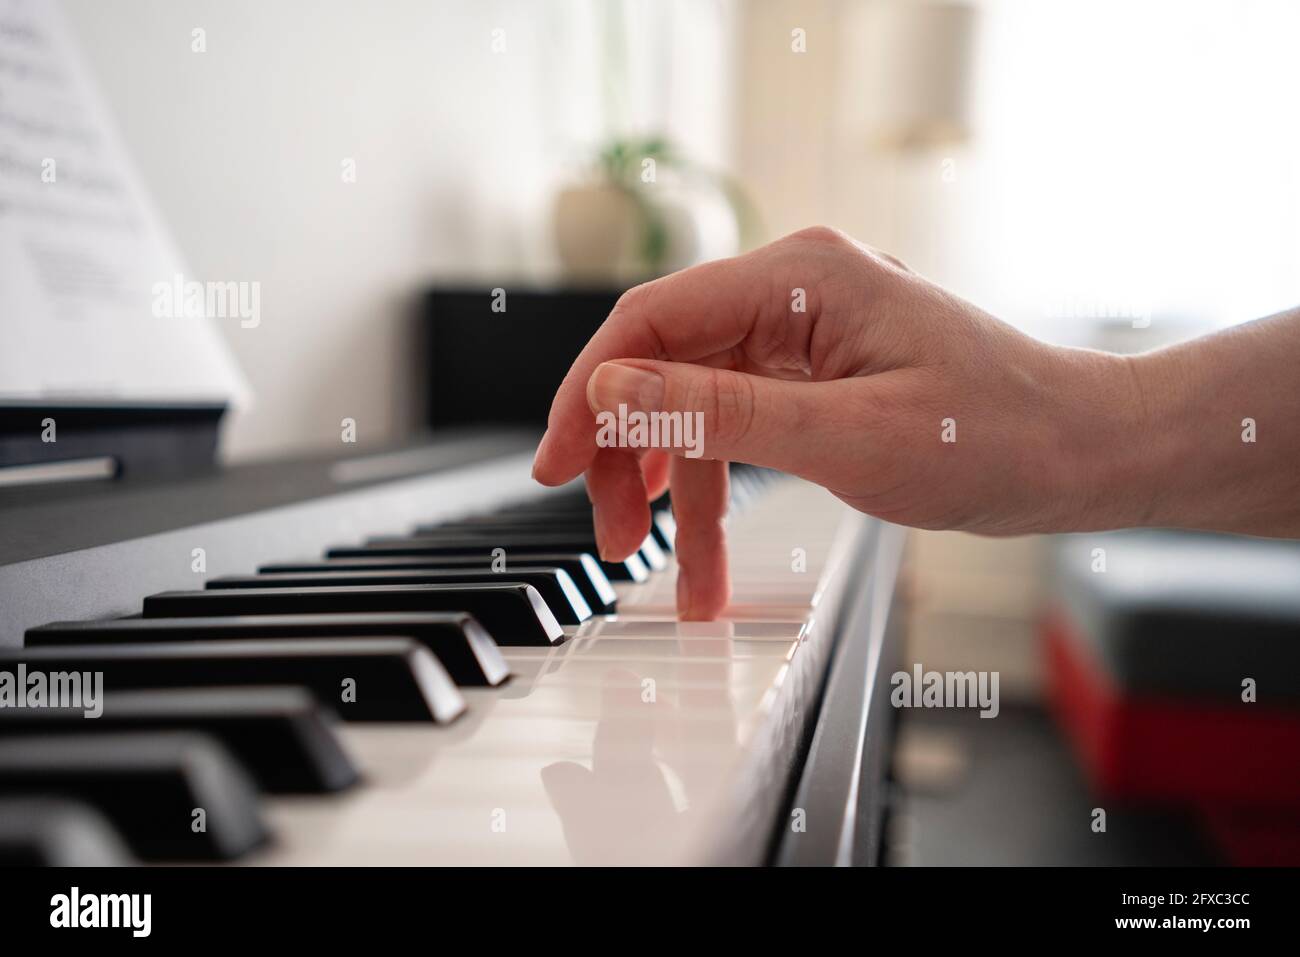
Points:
[(287, 661)]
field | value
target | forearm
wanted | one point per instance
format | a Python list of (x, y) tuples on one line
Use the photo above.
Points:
[(1209, 437)]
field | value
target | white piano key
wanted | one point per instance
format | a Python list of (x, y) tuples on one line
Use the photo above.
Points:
[(618, 626), (617, 649), (568, 763)]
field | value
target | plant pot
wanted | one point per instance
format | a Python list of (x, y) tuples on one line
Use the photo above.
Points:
[(597, 228)]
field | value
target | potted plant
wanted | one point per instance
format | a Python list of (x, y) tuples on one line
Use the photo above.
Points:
[(643, 209)]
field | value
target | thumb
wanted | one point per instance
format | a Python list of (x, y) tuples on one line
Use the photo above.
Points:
[(702, 412)]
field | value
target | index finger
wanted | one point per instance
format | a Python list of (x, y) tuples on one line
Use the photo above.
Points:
[(682, 317)]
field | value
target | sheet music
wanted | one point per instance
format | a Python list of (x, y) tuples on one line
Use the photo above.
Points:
[(83, 253)]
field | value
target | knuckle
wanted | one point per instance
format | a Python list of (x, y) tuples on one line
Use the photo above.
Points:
[(730, 406), (820, 236), (634, 296), (630, 303), (893, 261), (633, 310), (697, 396)]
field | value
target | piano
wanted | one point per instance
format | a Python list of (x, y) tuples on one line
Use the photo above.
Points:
[(415, 658)]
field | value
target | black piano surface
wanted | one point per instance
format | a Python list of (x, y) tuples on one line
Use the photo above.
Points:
[(46, 532)]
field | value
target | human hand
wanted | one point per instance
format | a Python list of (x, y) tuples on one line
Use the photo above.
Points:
[(822, 358)]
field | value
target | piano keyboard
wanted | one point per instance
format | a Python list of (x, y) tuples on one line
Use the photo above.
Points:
[(505, 698)]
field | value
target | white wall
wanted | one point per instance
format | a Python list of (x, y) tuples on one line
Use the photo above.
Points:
[(457, 150)]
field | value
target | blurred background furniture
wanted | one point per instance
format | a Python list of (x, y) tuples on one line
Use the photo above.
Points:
[(1173, 663), (496, 358)]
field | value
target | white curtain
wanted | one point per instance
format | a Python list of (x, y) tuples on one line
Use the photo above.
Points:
[(1133, 156)]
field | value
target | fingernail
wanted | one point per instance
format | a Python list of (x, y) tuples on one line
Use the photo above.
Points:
[(614, 384)]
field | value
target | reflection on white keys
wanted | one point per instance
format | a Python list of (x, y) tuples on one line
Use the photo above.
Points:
[(641, 740)]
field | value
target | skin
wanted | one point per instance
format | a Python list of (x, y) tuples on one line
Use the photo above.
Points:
[(854, 392)]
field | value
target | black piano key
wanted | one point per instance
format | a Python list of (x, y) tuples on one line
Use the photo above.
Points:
[(47, 830), (362, 679), (575, 500), (553, 518), (512, 541), (583, 568), (500, 527), (520, 521), (457, 640), (653, 554), (512, 614), (528, 516), (281, 734), (154, 786), (553, 584), (534, 541), (632, 569), (664, 528), (575, 530)]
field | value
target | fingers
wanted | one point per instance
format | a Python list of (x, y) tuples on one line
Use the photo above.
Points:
[(671, 336), (700, 498), (720, 416), (620, 484), (654, 468), (619, 506), (686, 316), (702, 412)]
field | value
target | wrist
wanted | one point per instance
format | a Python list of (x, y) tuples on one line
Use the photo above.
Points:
[(1114, 440)]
